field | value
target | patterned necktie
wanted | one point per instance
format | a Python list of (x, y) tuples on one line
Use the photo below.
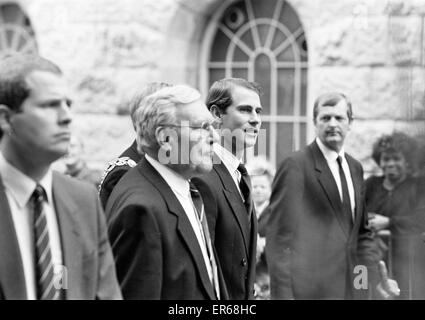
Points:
[(245, 187), (43, 255), (346, 203), (199, 208)]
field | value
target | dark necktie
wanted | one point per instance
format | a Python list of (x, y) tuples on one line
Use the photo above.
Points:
[(43, 255), (346, 203), (199, 208), (245, 187)]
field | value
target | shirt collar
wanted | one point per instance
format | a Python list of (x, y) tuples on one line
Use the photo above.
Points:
[(330, 155), (20, 185), (229, 160), (176, 182)]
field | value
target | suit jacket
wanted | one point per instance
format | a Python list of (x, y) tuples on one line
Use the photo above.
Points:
[(113, 176), (234, 239), (310, 254), (261, 267), (156, 250), (86, 251)]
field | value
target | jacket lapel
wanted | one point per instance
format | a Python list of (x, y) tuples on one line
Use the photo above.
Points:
[(234, 199), (184, 227), (12, 279), (328, 184), (70, 238)]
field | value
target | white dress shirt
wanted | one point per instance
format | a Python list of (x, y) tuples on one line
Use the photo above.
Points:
[(231, 163), (180, 188), (331, 158), (19, 188)]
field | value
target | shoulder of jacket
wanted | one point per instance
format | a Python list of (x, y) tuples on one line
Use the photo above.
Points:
[(118, 162)]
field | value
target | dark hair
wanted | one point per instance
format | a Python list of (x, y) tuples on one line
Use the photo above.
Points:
[(220, 93), (13, 72), (394, 143), (331, 99)]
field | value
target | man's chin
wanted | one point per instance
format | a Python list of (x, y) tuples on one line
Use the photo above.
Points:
[(57, 153), (334, 143), (250, 141)]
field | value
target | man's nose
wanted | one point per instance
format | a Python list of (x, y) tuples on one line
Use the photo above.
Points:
[(333, 122), (254, 118), (65, 115)]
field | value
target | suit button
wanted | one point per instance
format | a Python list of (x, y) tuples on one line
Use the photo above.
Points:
[(243, 262)]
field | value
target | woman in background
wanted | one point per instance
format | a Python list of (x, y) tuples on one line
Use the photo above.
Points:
[(392, 201)]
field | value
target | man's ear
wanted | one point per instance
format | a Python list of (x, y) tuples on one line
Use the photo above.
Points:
[(217, 114), (5, 114), (162, 137)]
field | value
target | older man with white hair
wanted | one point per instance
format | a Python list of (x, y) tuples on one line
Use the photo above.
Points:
[(157, 222)]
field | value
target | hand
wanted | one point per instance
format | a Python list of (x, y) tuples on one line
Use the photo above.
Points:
[(378, 222), (387, 288)]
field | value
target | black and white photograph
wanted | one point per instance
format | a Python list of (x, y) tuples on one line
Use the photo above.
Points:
[(217, 155)]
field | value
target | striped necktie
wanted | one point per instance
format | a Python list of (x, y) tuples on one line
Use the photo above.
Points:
[(199, 208), (43, 254)]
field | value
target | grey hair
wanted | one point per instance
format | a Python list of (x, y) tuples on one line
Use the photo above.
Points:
[(137, 100), (159, 108)]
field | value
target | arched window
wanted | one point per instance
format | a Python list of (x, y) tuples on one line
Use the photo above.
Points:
[(16, 33), (263, 41)]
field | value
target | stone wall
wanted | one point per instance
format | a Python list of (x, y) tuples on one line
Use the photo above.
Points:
[(371, 50)]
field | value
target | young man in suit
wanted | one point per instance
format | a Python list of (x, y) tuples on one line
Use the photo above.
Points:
[(53, 239), (318, 240), (157, 223), (130, 157), (236, 107)]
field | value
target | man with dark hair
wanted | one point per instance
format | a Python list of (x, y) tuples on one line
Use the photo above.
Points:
[(53, 240), (236, 107), (130, 157), (318, 240)]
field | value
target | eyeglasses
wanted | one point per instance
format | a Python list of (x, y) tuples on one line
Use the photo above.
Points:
[(206, 125)]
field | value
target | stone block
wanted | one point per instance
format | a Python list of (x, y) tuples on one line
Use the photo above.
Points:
[(147, 12), (376, 93), (398, 93), (404, 40), (401, 7), (108, 90), (105, 137), (353, 82), (345, 41), (131, 45), (199, 7)]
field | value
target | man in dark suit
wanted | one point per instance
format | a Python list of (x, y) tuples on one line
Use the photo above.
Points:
[(318, 243), (53, 239), (235, 105), (157, 223), (130, 157)]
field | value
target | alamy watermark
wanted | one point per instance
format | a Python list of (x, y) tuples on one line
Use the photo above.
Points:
[(193, 145)]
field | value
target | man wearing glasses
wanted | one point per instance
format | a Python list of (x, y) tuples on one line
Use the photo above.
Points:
[(236, 107), (157, 218)]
